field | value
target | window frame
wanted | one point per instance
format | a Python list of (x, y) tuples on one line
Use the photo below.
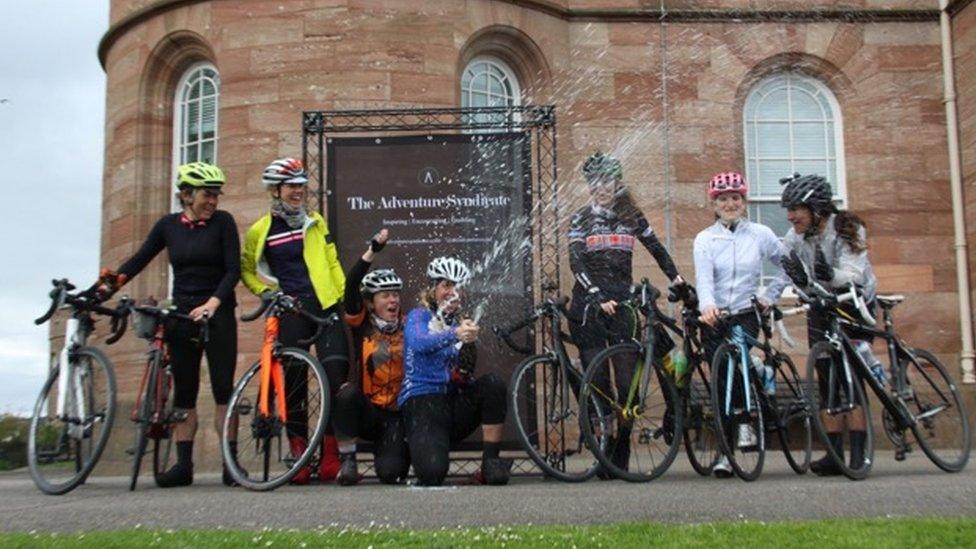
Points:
[(513, 89), (180, 100)]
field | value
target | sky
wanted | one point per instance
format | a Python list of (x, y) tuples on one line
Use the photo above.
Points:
[(52, 113)]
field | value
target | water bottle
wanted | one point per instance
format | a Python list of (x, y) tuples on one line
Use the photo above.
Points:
[(679, 364), (766, 375), (872, 361)]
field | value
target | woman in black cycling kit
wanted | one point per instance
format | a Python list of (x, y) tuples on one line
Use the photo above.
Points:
[(204, 252), (601, 242)]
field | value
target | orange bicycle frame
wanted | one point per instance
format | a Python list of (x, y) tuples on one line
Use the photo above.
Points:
[(271, 372)]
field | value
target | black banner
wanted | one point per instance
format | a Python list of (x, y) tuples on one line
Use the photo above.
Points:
[(467, 196)]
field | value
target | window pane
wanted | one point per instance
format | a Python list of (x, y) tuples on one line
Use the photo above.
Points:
[(207, 152), (770, 214), (818, 167), (774, 140), (194, 86), (193, 121), (479, 100), (808, 140), (770, 172), (208, 88), (208, 118), (191, 154), (806, 107), (496, 87), (774, 106)]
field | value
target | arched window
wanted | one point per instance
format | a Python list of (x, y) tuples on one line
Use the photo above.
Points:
[(195, 117), (489, 82), (792, 123)]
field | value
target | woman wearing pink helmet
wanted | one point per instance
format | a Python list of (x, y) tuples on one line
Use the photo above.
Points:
[(729, 257)]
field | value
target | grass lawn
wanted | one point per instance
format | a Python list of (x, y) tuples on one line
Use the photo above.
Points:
[(894, 532)]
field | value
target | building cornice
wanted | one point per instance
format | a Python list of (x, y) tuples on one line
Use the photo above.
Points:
[(851, 15), (956, 6)]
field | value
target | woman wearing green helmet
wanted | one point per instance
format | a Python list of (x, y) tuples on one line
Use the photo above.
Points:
[(204, 251)]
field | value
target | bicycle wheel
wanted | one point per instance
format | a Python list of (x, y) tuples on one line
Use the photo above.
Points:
[(265, 457), (63, 449), (547, 417), (701, 441), (162, 433), (942, 424), (740, 428), (642, 414), (837, 409), (792, 416), (142, 421)]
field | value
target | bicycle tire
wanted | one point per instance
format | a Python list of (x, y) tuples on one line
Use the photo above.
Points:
[(142, 419), (727, 425), (793, 425), (826, 351), (164, 441), (84, 456), (925, 401), (552, 437), (262, 431), (701, 441), (661, 414)]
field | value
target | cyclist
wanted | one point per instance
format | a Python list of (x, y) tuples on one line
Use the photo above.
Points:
[(441, 400), (368, 410), (729, 257), (829, 246), (601, 241), (203, 248), (291, 248)]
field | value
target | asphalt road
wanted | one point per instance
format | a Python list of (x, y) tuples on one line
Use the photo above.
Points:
[(910, 488)]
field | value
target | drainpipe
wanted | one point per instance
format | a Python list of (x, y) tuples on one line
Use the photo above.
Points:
[(955, 181)]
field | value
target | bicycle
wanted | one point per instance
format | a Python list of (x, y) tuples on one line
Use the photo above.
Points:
[(543, 396), (921, 393), (66, 440), (699, 430), (287, 393), (637, 399), (153, 414), (741, 403)]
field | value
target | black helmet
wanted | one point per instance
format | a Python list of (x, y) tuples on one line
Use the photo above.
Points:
[(811, 191), (600, 165)]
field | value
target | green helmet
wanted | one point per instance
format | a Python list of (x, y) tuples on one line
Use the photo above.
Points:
[(200, 175), (599, 166)]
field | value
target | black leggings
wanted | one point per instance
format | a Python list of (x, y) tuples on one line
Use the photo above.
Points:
[(332, 351), (356, 417), (435, 422), (817, 325), (185, 355)]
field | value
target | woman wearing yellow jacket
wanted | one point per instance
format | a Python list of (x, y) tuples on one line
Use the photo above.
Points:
[(290, 249)]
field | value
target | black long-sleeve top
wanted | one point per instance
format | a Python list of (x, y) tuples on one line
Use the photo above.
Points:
[(206, 258), (601, 248)]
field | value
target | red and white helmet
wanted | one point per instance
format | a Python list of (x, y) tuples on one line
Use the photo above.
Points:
[(284, 170), (725, 182)]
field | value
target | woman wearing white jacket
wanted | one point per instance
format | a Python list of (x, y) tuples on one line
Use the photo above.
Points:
[(729, 257)]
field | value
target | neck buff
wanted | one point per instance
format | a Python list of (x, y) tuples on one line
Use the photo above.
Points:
[(294, 217), (385, 326)]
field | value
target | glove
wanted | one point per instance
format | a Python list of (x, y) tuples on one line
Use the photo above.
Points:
[(794, 269), (108, 283), (266, 295), (375, 245), (821, 269)]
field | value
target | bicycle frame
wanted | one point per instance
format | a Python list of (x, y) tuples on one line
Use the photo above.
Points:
[(742, 342), (272, 374), (76, 332)]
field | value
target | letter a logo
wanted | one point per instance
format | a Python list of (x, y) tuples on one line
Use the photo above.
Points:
[(428, 177)]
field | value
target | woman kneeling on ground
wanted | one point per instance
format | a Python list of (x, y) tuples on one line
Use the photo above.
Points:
[(442, 403)]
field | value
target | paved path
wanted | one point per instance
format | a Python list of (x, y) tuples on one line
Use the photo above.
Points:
[(910, 488)]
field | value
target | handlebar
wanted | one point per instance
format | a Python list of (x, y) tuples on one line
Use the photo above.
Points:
[(86, 300), (548, 307), (279, 302), (825, 295)]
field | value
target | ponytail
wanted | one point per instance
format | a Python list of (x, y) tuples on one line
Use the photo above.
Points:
[(847, 225)]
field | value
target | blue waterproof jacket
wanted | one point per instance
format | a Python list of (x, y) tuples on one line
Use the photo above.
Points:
[(429, 354)]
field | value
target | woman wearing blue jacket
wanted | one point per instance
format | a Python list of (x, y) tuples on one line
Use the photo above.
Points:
[(442, 402), (729, 257)]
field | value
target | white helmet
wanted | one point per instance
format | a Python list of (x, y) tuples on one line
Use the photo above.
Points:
[(284, 170), (448, 268), (380, 280)]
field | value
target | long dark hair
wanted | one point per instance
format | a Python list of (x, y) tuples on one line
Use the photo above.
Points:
[(847, 226), (625, 208)]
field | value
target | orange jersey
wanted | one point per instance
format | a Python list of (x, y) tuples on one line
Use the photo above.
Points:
[(381, 358)]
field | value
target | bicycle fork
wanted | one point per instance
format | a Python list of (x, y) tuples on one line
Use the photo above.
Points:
[(271, 373)]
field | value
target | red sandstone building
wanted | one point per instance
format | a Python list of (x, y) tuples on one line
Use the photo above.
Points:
[(679, 89)]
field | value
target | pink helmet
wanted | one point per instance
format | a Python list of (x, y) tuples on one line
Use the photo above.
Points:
[(725, 182)]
